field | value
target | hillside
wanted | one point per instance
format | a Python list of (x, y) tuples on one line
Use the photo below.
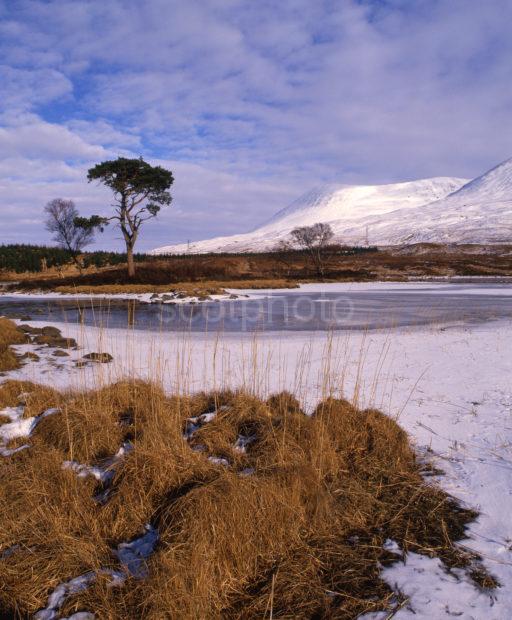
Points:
[(479, 212), (437, 210)]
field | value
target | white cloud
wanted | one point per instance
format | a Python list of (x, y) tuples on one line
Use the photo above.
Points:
[(22, 88), (250, 102), (101, 132), (31, 137), (33, 173)]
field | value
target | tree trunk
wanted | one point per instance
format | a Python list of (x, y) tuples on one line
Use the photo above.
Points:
[(74, 258), (130, 261), (316, 259)]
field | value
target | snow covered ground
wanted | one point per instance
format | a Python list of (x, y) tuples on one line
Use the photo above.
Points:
[(474, 287), (449, 387)]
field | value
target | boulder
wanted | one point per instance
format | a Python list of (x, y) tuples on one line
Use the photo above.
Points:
[(28, 329), (51, 331), (56, 342), (102, 358)]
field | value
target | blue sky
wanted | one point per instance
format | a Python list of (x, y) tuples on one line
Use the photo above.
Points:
[(249, 102)]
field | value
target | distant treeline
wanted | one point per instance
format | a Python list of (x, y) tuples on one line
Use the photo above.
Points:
[(335, 250), (330, 250), (36, 258)]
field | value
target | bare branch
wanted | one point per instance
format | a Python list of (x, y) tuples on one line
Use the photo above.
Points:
[(60, 220), (314, 239)]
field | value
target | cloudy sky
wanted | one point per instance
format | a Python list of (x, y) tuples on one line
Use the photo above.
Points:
[(249, 102)]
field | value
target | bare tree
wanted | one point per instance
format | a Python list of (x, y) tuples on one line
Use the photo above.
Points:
[(61, 220), (284, 252), (314, 239)]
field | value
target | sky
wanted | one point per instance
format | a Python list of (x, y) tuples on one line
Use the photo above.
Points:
[(249, 102)]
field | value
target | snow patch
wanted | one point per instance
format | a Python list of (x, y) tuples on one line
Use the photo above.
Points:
[(18, 427), (132, 556), (192, 425), (62, 592), (243, 441), (103, 474)]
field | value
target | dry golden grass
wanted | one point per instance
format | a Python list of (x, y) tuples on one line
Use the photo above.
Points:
[(9, 335), (35, 398), (301, 536), (190, 288)]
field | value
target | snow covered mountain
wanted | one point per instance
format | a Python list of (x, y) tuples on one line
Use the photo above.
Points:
[(442, 209), (479, 212)]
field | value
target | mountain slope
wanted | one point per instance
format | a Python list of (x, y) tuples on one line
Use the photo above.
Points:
[(350, 202), (479, 212), (442, 209)]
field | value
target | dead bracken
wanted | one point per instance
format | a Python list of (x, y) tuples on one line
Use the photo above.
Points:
[(248, 505)]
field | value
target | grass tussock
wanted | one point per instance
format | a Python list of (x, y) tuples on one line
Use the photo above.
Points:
[(9, 335), (261, 511), (34, 398)]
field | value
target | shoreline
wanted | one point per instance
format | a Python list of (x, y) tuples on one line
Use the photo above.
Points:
[(229, 291)]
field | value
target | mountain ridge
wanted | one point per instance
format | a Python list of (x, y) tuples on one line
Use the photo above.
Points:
[(438, 210)]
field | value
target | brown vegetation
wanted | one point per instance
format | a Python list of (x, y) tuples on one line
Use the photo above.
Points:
[(187, 288), (218, 271), (292, 525), (9, 335)]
